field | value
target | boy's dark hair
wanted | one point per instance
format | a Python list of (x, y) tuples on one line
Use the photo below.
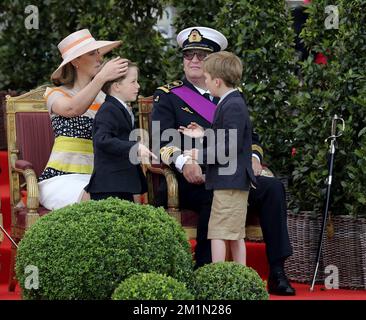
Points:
[(224, 65), (107, 86)]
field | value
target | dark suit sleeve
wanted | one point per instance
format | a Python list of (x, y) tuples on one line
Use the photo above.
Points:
[(164, 128), (234, 117), (107, 122)]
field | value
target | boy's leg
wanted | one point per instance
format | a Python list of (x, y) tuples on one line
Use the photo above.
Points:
[(218, 248), (85, 196), (238, 251)]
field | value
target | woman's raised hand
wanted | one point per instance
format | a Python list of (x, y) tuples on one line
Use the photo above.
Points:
[(113, 69)]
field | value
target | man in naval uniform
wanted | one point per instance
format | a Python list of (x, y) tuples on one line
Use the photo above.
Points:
[(182, 102)]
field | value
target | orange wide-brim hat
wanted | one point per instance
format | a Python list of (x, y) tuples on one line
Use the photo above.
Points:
[(79, 43)]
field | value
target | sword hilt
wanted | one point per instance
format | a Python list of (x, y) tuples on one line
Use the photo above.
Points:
[(333, 132)]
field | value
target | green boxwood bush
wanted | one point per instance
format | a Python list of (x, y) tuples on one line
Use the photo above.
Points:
[(229, 281), (151, 286), (84, 251)]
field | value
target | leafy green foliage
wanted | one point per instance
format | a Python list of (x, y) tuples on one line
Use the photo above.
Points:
[(335, 88), (151, 286), (229, 281), (84, 251), (28, 57), (192, 13), (262, 36), (133, 22)]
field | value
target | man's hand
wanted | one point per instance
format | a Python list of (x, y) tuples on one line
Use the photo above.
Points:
[(193, 154), (192, 172), (193, 130), (257, 167)]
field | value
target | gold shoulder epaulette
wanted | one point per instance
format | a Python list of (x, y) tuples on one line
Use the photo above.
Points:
[(166, 88)]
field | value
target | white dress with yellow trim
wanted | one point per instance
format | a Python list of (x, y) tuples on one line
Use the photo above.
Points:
[(70, 164)]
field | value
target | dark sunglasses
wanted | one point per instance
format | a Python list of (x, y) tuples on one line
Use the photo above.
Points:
[(188, 55)]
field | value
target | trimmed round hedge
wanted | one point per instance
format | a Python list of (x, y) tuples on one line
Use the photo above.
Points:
[(151, 286), (229, 281), (84, 251)]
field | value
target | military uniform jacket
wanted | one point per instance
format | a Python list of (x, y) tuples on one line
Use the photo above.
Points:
[(172, 112)]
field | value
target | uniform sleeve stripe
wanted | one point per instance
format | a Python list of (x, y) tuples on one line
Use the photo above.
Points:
[(166, 153), (257, 148)]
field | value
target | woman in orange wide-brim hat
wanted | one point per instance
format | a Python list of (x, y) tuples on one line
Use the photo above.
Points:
[(72, 105)]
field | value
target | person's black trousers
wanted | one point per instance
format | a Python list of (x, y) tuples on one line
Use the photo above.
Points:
[(197, 198), (269, 200)]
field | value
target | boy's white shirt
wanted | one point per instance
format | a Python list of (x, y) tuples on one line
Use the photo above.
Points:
[(127, 108)]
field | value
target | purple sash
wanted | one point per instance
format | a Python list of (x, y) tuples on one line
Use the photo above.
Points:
[(197, 102)]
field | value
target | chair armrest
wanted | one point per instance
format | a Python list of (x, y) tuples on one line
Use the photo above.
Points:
[(25, 168), (23, 165), (172, 185), (156, 168)]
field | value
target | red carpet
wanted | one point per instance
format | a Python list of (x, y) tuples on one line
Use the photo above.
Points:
[(256, 258)]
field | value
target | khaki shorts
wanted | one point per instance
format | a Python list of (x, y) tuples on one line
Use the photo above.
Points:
[(228, 215)]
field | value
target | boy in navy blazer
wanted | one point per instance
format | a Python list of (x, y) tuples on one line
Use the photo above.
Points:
[(115, 174), (232, 180)]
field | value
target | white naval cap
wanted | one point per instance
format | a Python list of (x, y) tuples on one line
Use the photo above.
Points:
[(202, 38)]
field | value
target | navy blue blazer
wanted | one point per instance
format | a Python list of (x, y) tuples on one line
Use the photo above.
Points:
[(113, 171), (237, 172)]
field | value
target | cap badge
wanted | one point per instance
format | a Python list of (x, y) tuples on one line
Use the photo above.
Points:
[(195, 36)]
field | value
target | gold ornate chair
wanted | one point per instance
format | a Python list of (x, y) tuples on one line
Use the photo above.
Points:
[(154, 174), (30, 140)]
